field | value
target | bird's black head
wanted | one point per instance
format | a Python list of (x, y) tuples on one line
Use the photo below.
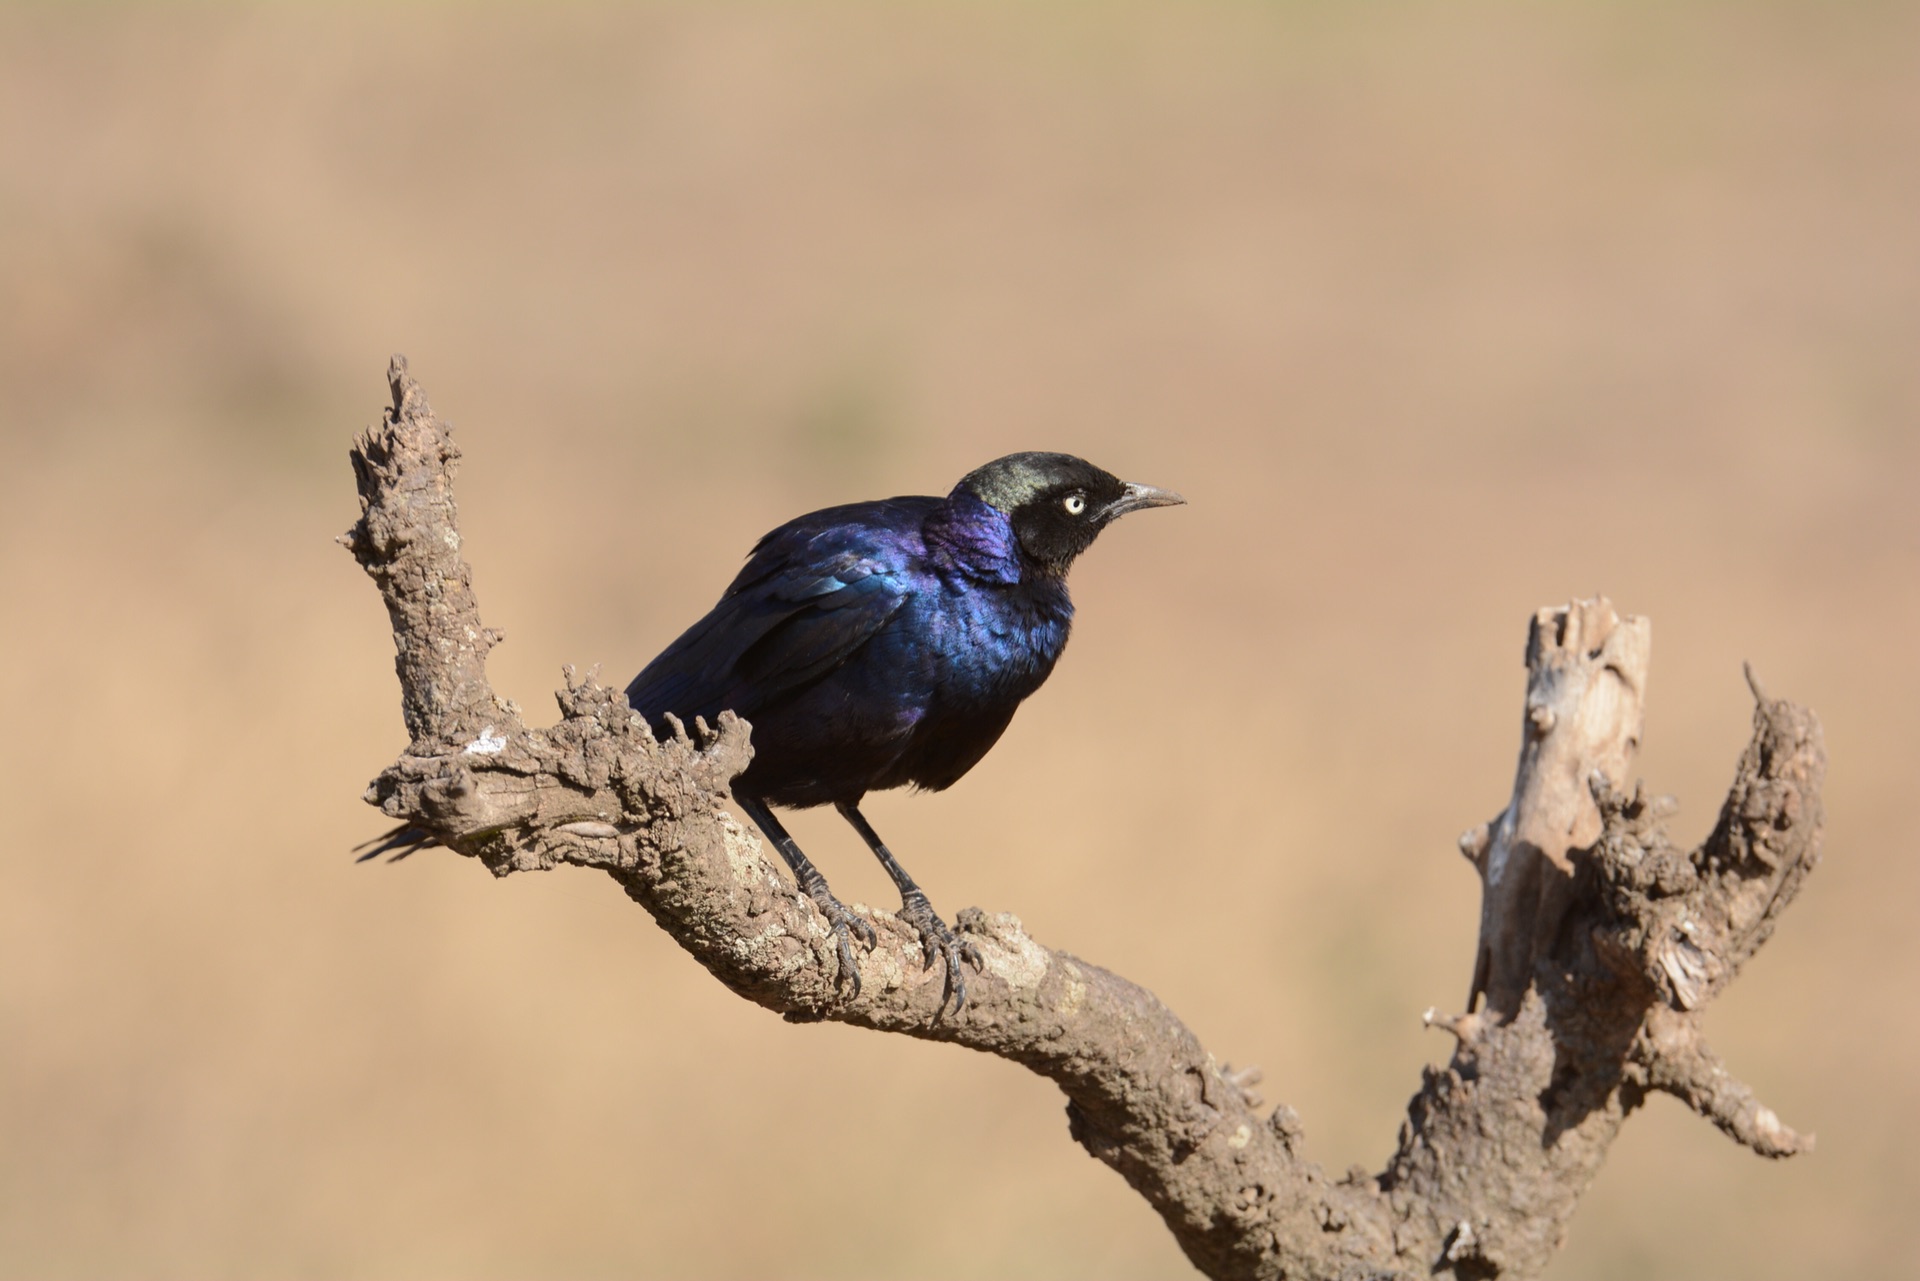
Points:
[(1058, 503)]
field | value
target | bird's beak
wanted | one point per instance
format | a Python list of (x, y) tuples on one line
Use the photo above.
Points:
[(1138, 497)]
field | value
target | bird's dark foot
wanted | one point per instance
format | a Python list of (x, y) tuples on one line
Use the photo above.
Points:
[(937, 942), (845, 926)]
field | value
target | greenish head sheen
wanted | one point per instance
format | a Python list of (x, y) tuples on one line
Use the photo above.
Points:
[(1007, 484), (1057, 503)]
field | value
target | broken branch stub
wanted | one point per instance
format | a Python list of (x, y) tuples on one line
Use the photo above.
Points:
[(408, 541), (1586, 685)]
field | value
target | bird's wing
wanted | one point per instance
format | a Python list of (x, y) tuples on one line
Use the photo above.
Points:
[(813, 592), (828, 613)]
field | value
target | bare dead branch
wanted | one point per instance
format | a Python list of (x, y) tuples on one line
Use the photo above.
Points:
[(1578, 959)]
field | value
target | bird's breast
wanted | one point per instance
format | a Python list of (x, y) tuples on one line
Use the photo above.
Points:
[(996, 647)]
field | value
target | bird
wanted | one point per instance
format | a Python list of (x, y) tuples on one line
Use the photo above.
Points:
[(887, 644)]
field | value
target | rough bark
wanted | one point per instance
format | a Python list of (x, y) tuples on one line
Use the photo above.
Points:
[(1600, 943)]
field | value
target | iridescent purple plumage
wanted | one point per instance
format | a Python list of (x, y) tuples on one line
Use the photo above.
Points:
[(887, 644)]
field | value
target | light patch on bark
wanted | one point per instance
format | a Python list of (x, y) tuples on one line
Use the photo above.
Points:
[(1009, 955)]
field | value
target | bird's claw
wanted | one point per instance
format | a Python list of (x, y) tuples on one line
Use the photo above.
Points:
[(939, 943), (845, 924)]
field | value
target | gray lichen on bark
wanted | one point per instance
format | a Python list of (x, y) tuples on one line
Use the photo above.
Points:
[(1600, 943)]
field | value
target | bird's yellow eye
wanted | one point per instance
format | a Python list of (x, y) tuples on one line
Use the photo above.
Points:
[(1075, 504)]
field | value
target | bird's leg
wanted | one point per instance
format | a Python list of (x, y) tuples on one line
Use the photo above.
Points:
[(815, 885), (936, 940)]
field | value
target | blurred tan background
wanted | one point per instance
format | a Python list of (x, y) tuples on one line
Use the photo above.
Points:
[(1436, 314)]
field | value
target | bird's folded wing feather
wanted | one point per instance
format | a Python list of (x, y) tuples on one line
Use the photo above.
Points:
[(813, 592)]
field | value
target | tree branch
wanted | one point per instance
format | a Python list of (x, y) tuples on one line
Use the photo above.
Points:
[(1497, 1147)]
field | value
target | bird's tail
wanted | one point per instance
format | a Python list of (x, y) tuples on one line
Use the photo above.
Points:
[(402, 840)]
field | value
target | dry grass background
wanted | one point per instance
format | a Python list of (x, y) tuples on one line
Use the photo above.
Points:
[(1436, 314)]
